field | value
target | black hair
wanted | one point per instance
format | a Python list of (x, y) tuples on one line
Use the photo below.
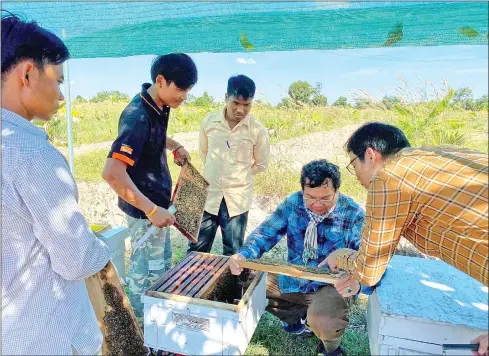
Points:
[(177, 68), (22, 40), (383, 138), (240, 86), (317, 173)]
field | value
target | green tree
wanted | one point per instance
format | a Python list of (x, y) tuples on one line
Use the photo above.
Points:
[(80, 99), (303, 93), (464, 98), (481, 103), (286, 103), (261, 102), (462, 94), (190, 99), (319, 100), (204, 101), (390, 101), (113, 96), (341, 101), (363, 103)]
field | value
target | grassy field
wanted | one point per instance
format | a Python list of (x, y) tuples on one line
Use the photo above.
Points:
[(455, 128), (95, 123)]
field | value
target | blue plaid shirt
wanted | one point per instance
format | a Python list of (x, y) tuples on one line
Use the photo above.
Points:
[(341, 229)]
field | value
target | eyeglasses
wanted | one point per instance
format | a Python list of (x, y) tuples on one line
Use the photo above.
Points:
[(321, 201), (349, 167)]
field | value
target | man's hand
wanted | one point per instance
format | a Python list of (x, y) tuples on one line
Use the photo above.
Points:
[(162, 218), (347, 286), (233, 264), (180, 155), (330, 261), (483, 342)]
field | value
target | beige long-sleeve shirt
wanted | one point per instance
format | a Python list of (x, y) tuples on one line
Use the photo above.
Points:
[(231, 158)]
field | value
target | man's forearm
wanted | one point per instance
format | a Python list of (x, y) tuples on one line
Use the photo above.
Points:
[(346, 260), (127, 190), (171, 144), (250, 253), (255, 246)]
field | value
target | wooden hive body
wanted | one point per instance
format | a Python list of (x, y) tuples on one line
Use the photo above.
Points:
[(422, 304), (183, 311), (122, 334)]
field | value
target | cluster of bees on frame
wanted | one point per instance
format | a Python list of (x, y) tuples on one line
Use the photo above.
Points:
[(190, 199)]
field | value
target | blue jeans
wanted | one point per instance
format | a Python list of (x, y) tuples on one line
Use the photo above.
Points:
[(233, 231)]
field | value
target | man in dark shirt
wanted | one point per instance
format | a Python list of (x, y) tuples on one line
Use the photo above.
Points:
[(137, 170)]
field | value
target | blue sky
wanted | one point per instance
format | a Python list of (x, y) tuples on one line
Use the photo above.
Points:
[(342, 72)]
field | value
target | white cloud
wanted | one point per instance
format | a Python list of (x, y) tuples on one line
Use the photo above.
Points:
[(412, 70), (365, 72), (245, 61), (472, 70)]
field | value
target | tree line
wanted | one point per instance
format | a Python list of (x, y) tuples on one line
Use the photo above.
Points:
[(301, 93)]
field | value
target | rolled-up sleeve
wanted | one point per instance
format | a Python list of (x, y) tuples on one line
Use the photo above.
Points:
[(48, 189), (354, 239), (387, 212), (203, 141), (261, 152)]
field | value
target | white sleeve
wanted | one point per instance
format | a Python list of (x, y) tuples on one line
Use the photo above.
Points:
[(49, 191)]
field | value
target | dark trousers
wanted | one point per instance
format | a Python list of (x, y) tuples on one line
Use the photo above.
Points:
[(232, 229)]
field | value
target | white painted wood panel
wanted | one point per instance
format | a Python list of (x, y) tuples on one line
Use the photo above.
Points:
[(115, 240), (194, 329), (422, 304)]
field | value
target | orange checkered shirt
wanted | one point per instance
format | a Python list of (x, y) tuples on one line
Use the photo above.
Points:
[(438, 200)]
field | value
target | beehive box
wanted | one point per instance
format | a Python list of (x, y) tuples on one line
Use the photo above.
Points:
[(199, 308), (115, 238), (422, 304)]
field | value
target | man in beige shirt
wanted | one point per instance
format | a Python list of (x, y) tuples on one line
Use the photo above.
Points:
[(233, 146)]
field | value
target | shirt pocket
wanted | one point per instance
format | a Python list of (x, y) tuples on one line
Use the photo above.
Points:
[(333, 237), (244, 152)]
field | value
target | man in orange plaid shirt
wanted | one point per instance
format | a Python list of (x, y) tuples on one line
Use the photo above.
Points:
[(437, 199)]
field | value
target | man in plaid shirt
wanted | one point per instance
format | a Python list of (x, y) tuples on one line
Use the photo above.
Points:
[(437, 199), (317, 220)]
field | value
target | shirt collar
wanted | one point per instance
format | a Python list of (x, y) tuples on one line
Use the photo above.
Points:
[(150, 103), (222, 117), (19, 121)]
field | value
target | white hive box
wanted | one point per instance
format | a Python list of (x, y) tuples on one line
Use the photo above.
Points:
[(196, 326), (422, 304), (115, 238)]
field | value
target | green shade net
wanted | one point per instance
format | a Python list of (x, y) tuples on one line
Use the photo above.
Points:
[(118, 29)]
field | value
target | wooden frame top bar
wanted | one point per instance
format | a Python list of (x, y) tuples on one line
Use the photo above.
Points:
[(292, 271), (195, 276)]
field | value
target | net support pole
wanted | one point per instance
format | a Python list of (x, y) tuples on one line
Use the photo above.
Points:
[(69, 118)]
